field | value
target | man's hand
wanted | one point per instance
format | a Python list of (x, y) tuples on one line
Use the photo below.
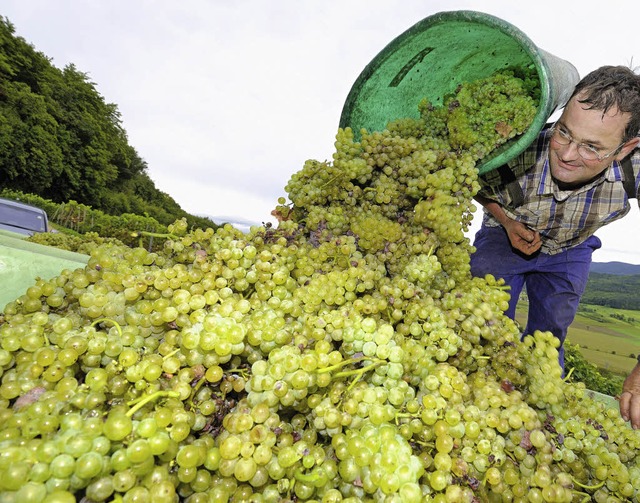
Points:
[(522, 238), (630, 398)]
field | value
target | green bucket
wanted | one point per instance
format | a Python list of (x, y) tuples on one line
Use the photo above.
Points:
[(23, 262), (435, 55)]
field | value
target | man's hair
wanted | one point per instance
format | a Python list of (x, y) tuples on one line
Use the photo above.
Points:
[(613, 87)]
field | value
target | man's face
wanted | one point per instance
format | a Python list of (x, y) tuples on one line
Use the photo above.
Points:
[(601, 132)]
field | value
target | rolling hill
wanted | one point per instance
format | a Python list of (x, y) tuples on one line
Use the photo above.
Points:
[(616, 268)]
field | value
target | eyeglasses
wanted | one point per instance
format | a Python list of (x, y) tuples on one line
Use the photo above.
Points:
[(587, 152)]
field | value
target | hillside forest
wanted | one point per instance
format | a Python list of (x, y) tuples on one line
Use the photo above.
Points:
[(616, 291), (60, 140)]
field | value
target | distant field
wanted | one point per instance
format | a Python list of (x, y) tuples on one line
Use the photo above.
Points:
[(608, 338)]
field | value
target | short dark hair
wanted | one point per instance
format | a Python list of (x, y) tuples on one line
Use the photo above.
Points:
[(613, 86)]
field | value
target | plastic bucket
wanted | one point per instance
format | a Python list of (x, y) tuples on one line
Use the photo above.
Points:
[(435, 55)]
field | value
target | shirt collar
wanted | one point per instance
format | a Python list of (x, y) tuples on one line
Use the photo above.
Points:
[(548, 187)]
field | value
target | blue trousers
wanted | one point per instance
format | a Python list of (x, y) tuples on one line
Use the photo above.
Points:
[(554, 283)]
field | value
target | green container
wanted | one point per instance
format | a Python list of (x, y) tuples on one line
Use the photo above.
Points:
[(435, 55), (608, 401), (22, 262)]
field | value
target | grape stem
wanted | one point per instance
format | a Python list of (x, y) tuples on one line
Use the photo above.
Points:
[(306, 477), (401, 415), (423, 443), (589, 488), (241, 371), (141, 402), (195, 389), (569, 374), (353, 383), (140, 234), (342, 364), (330, 181), (117, 325), (154, 234), (169, 355), (358, 372)]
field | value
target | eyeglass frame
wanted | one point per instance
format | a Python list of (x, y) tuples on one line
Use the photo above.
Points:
[(553, 129)]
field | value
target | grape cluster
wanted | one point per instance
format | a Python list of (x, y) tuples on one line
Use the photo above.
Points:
[(487, 111), (345, 355)]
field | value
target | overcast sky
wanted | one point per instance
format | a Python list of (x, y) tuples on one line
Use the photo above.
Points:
[(225, 100)]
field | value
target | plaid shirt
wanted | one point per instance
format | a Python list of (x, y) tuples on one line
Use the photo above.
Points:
[(564, 218)]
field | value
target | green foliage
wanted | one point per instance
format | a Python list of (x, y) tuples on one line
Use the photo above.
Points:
[(60, 140), (594, 378)]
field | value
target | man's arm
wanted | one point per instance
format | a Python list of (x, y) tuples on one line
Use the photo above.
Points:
[(522, 238)]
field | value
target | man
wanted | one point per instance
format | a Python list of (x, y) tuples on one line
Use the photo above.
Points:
[(538, 229)]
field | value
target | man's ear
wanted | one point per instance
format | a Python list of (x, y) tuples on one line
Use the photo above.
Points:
[(626, 149)]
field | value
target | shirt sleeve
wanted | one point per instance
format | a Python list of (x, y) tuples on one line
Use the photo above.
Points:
[(493, 185)]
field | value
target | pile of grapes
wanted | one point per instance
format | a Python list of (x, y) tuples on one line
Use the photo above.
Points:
[(345, 354)]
